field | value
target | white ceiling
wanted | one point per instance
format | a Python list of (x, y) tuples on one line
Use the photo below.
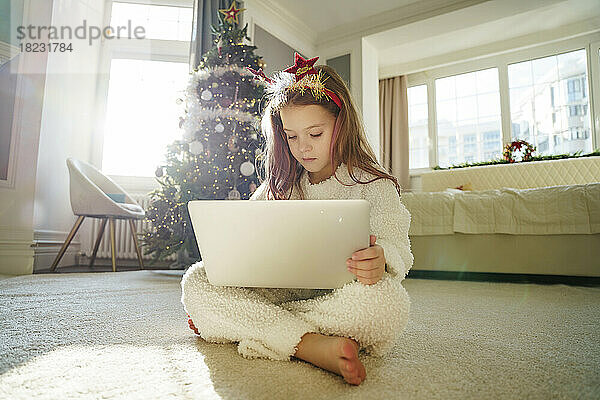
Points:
[(323, 15), (480, 25), (406, 30)]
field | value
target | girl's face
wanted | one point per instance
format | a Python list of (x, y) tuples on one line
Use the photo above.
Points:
[(309, 130)]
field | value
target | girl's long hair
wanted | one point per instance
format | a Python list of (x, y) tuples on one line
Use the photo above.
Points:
[(348, 143)]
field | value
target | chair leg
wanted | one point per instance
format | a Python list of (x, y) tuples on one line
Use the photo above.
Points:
[(113, 249), (98, 240), (137, 246), (67, 242)]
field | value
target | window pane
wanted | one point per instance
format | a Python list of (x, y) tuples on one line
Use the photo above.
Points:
[(446, 144), (446, 111), (142, 115), (468, 109), (487, 81), (551, 110), (159, 22), (520, 75), (487, 104), (445, 88), (465, 85), (545, 70), (418, 132)]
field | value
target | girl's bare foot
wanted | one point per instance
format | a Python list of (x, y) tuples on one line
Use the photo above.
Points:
[(333, 353)]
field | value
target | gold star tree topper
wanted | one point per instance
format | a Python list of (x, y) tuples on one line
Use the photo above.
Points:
[(231, 13)]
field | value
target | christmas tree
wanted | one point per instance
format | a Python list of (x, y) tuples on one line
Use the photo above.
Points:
[(216, 158)]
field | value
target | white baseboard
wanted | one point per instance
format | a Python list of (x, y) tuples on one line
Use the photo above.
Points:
[(16, 264), (47, 244), (22, 251), (16, 253), (44, 257)]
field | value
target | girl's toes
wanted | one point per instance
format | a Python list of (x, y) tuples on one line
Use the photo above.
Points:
[(349, 350), (352, 373), (344, 367), (349, 367), (362, 374), (354, 380)]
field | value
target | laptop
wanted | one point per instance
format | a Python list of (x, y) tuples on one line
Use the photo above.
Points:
[(279, 243)]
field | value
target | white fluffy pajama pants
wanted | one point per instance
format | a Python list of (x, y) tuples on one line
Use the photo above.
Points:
[(269, 323)]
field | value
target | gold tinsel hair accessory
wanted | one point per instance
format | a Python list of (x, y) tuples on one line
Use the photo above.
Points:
[(299, 77)]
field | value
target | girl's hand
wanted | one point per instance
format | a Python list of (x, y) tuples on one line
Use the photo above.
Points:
[(368, 264)]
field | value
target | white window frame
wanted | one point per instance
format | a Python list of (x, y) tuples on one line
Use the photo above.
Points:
[(590, 42), (162, 50)]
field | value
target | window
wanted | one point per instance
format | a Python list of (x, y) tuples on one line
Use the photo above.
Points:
[(573, 110), (467, 106), (577, 133), (418, 133), (540, 94), (142, 116), (539, 87), (491, 140), (147, 76), (159, 22), (470, 145)]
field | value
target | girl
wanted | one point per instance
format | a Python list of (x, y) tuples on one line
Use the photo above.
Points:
[(316, 149)]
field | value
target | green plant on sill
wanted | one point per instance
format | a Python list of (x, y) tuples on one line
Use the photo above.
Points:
[(534, 158)]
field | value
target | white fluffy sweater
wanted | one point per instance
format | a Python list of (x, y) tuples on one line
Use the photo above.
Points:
[(269, 322)]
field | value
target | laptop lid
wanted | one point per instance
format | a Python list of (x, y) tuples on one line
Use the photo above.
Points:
[(279, 243)]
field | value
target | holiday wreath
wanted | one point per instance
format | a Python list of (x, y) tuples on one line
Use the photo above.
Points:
[(518, 145)]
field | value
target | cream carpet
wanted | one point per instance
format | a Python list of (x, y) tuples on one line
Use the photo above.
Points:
[(125, 335)]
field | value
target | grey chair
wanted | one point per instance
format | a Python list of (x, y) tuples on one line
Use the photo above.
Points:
[(93, 195)]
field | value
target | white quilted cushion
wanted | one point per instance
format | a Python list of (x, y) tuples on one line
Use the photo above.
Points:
[(572, 209), (572, 171), (431, 213)]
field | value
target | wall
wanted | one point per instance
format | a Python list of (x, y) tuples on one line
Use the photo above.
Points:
[(275, 20), (17, 195), (370, 96), (341, 65), (276, 54)]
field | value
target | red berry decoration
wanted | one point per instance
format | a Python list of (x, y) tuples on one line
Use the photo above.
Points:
[(518, 145)]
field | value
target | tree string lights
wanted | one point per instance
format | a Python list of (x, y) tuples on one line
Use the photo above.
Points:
[(216, 158)]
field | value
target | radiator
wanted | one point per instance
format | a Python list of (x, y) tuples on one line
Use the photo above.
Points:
[(123, 240)]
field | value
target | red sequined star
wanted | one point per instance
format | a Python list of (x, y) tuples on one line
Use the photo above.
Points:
[(302, 67), (231, 14)]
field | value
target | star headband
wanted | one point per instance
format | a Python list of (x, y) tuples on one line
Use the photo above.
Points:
[(299, 77)]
